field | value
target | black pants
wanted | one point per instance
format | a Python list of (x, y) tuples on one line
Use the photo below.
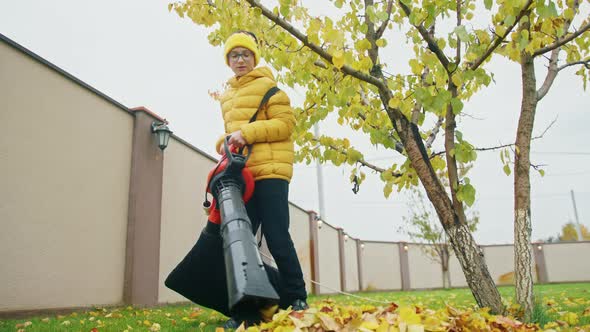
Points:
[(269, 209)]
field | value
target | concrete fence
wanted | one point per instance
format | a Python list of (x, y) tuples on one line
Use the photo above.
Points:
[(93, 213)]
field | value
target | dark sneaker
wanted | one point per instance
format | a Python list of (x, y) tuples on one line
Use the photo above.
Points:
[(249, 318), (299, 305), (232, 323)]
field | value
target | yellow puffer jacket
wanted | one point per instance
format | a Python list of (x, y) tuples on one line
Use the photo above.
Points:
[(270, 135)]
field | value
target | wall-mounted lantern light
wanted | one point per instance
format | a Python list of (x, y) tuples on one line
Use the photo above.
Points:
[(162, 133), (405, 247), (362, 246), (345, 237), (539, 247), (320, 224)]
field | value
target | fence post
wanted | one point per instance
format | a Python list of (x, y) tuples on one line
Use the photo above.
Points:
[(404, 265), (314, 251), (142, 253), (359, 262), (540, 264), (341, 255)]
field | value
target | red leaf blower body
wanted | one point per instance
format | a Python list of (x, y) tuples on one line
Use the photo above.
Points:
[(232, 184)]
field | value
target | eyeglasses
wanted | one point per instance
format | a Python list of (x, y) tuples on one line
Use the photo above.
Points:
[(235, 56)]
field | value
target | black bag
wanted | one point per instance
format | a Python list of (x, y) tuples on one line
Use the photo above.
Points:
[(201, 276)]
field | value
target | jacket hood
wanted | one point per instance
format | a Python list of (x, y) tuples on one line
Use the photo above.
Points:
[(258, 72)]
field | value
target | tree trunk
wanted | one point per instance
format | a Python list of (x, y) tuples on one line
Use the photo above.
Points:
[(468, 252), (446, 279), (444, 262), (523, 274)]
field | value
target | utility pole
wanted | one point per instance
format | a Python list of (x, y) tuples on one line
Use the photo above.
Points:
[(320, 176), (578, 227)]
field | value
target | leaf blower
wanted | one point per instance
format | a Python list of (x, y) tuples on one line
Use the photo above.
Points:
[(232, 184)]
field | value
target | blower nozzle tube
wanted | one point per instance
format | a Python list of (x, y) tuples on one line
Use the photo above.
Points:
[(247, 282)]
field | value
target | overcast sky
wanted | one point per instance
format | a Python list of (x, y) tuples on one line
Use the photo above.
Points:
[(138, 53)]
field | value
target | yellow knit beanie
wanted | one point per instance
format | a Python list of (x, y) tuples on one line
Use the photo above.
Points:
[(241, 39)]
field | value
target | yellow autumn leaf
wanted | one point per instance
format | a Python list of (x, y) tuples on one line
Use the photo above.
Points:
[(394, 102), (381, 42), (570, 317), (383, 327), (409, 316), (328, 323), (403, 327), (416, 66), (338, 59), (416, 328), (432, 323), (267, 313), (457, 80), (370, 326)]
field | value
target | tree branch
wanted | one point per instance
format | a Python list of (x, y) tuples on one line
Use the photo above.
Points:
[(458, 55), (418, 105), (562, 41), (586, 64), (553, 70), (317, 49), (504, 145), (416, 112), (432, 45), (512, 145), (551, 74), (383, 26), (452, 170), (434, 132), (500, 39)]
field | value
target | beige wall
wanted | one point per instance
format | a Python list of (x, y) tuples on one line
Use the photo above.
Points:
[(456, 272), (329, 259), (381, 266), (424, 271), (351, 266), (500, 261), (64, 180), (183, 218), (567, 261), (299, 229)]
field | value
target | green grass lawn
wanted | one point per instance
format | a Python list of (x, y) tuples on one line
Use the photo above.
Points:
[(559, 306)]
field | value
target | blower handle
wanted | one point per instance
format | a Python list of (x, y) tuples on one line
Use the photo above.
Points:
[(233, 156)]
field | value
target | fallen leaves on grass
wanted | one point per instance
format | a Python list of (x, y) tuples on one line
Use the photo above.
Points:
[(365, 318), (432, 311)]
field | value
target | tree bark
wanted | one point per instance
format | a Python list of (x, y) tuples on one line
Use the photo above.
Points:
[(466, 249), (523, 274)]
